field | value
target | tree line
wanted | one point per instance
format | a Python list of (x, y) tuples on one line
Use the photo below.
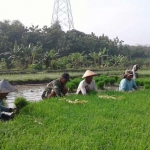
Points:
[(51, 48)]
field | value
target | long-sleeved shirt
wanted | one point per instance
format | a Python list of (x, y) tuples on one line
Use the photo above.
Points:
[(126, 85), (2, 108), (81, 88), (57, 87), (134, 71)]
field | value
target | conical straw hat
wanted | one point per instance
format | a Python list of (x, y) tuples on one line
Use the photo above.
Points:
[(6, 87), (89, 73)]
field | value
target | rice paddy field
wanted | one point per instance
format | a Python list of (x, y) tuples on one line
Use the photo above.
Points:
[(44, 77), (107, 120)]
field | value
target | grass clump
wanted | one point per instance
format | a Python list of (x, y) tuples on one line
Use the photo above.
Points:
[(20, 102)]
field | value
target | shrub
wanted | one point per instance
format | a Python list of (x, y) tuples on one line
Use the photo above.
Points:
[(35, 66)]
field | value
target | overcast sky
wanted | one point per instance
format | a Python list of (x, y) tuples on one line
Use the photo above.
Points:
[(127, 19)]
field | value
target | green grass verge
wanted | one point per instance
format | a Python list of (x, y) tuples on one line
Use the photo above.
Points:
[(42, 77), (114, 122)]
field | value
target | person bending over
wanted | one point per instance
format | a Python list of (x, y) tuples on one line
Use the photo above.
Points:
[(4, 110), (127, 83), (57, 87), (5, 88), (88, 84), (134, 70)]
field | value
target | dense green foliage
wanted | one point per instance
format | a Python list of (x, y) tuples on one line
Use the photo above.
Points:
[(108, 120), (51, 48)]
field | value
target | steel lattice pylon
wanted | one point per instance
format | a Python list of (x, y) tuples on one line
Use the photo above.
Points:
[(62, 14)]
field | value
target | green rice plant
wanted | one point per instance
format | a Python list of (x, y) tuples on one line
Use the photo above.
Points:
[(116, 78), (100, 85), (139, 83), (147, 86), (92, 92), (118, 81), (42, 77), (147, 82), (76, 81), (112, 80), (96, 78), (102, 78), (20, 102), (109, 120), (71, 86), (106, 81)]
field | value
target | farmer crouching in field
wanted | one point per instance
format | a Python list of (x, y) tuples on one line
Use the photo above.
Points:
[(134, 70), (127, 83), (57, 87), (88, 84), (5, 88)]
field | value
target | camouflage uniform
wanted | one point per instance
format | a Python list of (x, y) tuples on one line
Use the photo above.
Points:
[(56, 86)]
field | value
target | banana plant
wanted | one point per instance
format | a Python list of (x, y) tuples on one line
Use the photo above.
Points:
[(117, 60)]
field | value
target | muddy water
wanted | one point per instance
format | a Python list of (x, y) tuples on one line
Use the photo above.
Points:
[(34, 92), (30, 92)]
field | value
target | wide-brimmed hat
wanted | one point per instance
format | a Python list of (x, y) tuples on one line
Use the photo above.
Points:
[(128, 73), (6, 87), (89, 73)]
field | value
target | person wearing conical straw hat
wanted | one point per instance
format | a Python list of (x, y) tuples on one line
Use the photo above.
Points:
[(88, 84), (5, 88)]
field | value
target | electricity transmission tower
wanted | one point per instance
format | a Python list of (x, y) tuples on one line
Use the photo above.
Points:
[(62, 14)]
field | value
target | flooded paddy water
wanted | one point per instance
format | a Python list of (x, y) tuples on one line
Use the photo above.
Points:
[(33, 92)]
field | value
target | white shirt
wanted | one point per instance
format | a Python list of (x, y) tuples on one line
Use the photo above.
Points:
[(134, 72), (82, 84)]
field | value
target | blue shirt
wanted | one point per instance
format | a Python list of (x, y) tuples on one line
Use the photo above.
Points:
[(126, 85), (3, 108)]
